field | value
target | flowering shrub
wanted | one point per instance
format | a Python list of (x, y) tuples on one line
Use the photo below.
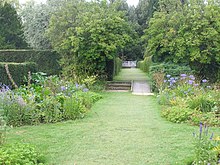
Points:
[(185, 99), (48, 100)]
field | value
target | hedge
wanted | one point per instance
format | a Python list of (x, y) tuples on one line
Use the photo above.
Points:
[(113, 67), (145, 64), (47, 61), (17, 70), (170, 68)]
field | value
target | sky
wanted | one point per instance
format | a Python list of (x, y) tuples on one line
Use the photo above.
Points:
[(130, 2)]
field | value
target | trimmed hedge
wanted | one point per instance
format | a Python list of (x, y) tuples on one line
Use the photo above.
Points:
[(171, 69), (113, 67), (145, 64), (17, 70), (47, 61), (117, 66)]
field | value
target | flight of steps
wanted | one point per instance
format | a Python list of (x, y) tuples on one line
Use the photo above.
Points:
[(119, 86)]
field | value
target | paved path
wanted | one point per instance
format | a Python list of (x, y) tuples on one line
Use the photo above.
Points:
[(139, 78)]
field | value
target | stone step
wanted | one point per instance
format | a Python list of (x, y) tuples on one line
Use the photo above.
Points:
[(118, 85)]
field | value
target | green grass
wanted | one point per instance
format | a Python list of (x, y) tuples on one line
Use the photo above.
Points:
[(120, 129), (131, 74)]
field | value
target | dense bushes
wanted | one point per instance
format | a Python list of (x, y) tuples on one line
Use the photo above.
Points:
[(46, 61), (145, 64), (113, 67), (18, 71), (97, 33), (158, 72), (49, 100), (117, 66), (185, 32)]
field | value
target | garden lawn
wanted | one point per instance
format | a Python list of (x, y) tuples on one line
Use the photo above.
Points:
[(121, 129)]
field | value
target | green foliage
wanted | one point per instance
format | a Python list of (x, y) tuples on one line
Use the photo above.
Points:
[(117, 66), (94, 32), (47, 61), (185, 100), (185, 33), (177, 114), (204, 148), (170, 69), (11, 28), (203, 103), (35, 22), (17, 70), (20, 154), (49, 100), (157, 73), (2, 129), (145, 64)]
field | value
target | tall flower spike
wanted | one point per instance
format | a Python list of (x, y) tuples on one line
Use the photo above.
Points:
[(200, 130), (212, 136)]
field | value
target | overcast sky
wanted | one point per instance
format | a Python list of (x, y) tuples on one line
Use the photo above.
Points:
[(130, 2)]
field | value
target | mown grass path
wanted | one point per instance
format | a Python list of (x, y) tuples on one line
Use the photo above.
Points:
[(121, 129)]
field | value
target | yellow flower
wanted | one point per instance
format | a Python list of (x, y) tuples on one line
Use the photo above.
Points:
[(217, 138)]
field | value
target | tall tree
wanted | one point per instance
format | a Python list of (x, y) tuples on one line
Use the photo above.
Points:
[(88, 34), (144, 11), (35, 22), (11, 28), (188, 34)]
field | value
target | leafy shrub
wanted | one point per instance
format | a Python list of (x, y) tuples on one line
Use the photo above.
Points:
[(145, 64), (203, 103), (158, 73), (177, 114), (20, 154), (208, 118), (170, 69)]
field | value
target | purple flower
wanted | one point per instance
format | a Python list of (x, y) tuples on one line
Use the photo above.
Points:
[(190, 82), (168, 76), (200, 129), (63, 88), (196, 85), (164, 81), (77, 85), (191, 77), (204, 80), (183, 75), (212, 136), (85, 90)]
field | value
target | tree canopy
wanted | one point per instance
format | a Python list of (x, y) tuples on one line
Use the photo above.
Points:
[(186, 33), (88, 35), (11, 34)]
